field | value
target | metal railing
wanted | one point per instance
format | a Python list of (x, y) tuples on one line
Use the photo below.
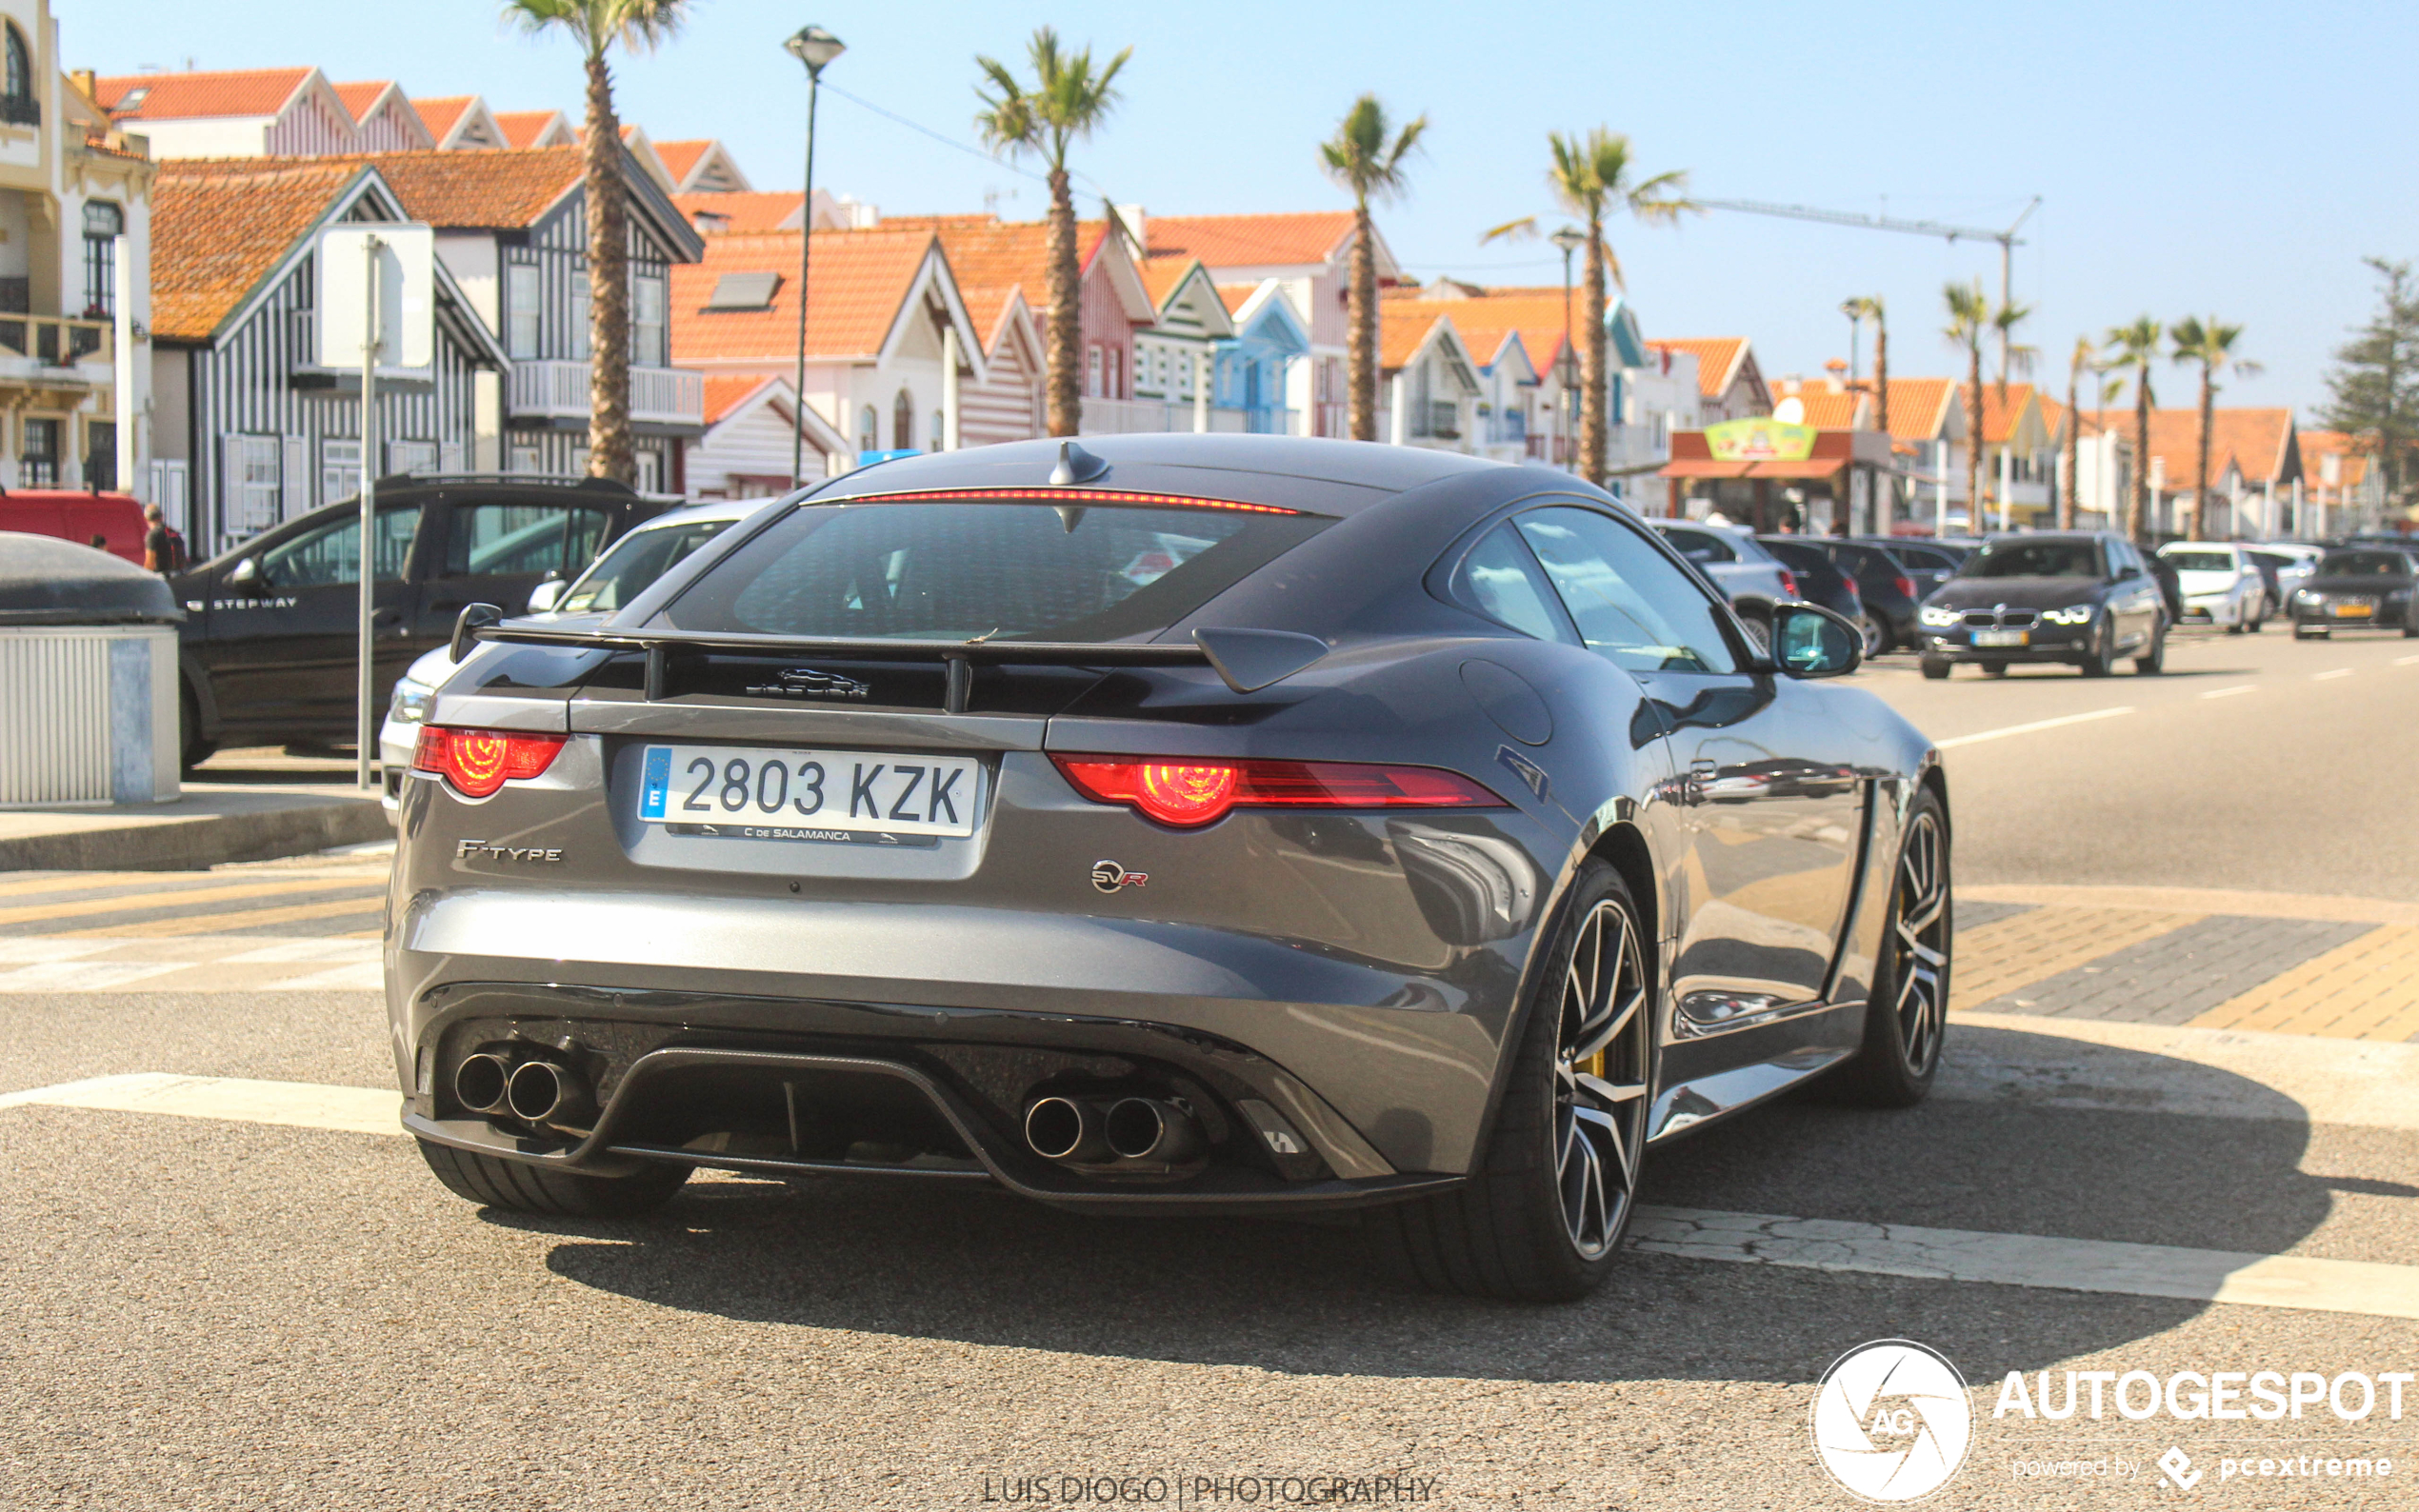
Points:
[(557, 390), (20, 109)]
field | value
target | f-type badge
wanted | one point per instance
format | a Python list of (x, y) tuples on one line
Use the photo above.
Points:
[(805, 681), (1109, 877)]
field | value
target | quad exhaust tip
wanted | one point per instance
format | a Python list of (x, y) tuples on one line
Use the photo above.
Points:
[(542, 1092), (1061, 1128), (1145, 1128), (480, 1082)]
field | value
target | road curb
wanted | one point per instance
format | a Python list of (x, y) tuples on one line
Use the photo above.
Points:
[(160, 844)]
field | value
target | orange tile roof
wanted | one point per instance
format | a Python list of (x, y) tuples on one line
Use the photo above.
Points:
[(2253, 440), (1235, 295), (442, 112), (1400, 332), (2355, 451), (1250, 240), (679, 157), (219, 227), (1162, 276), (360, 95), (860, 280), (1827, 408), (986, 306), (1999, 418), (187, 96), (522, 128), (1917, 406), (725, 394), (984, 250), (1488, 319), (502, 191), (2053, 416), (1719, 359), (743, 212)]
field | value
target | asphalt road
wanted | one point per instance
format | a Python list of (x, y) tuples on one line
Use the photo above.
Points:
[(208, 1313)]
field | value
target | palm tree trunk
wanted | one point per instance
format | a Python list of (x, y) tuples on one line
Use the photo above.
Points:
[(609, 442), (1594, 391), (1973, 437), (1066, 311), (2074, 451), (2201, 490), (1881, 374), (2140, 525), (1361, 349)]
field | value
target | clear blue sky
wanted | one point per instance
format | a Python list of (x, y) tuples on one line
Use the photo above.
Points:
[(2218, 157)]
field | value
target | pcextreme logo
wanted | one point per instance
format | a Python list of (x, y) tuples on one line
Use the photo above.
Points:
[(1892, 1421)]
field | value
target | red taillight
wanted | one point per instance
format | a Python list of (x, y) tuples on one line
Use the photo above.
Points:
[(1906, 587), (1789, 583), (1192, 793), (477, 761)]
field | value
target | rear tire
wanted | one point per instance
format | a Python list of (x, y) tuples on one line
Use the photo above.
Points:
[(1542, 1215), (1907, 1018), (192, 750), (492, 1182), (2097, 662), (1876, 637), (2153, 662)]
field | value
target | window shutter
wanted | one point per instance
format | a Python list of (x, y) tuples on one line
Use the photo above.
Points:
[(295, 476)]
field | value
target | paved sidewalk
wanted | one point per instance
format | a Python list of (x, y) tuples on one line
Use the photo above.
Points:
[(240, 806), (2337, 967)]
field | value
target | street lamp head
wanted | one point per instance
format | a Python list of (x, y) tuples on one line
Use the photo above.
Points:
[(815, 48), (1571, 238)]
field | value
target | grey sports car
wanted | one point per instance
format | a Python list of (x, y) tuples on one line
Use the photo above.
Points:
[(1190, 824)]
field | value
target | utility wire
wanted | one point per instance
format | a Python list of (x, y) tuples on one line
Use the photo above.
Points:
[(966, 148)]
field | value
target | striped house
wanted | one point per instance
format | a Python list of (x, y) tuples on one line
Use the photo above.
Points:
[(744, 451), (254, 113), (263, 430)]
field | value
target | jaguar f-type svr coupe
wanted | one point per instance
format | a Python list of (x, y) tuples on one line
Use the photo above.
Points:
[(1164, 823)]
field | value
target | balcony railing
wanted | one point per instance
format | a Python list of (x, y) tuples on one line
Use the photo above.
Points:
[(1121, 417), (55, 341), (547, 388), (20, 109)]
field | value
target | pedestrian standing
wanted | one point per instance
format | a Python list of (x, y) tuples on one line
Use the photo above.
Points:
[(159, 543)]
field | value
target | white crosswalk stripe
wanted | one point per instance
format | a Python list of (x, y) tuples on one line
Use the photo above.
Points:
[(198, 963)]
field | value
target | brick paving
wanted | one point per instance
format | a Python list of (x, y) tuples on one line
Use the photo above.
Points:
[(2177, 974)]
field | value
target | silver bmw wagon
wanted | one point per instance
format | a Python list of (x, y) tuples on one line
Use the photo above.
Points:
[(1165, 824)]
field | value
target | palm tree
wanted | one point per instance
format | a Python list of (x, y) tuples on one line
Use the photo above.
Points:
[(1591, 176), (1365, 156), (1969, 322), (1869, 307), (1067, 103), (2211, 345), (2138, 348), (597, 26), (2085, 357)]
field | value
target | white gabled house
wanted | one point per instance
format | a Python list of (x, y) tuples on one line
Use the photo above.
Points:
[(1427, 383), (744, 451)]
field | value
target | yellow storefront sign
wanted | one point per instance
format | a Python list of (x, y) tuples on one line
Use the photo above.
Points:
[(1759, 438)]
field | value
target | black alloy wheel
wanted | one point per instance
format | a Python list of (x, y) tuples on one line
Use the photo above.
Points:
[(1541, 1216), (2102, 655), (2153, 660), (1907, 1017)]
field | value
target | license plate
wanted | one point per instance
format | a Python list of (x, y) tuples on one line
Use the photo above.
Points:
[(2355, 611), (2003, 637), (739, 792)]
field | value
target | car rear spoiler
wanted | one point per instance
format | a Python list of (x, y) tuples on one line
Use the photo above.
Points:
[(1246, 660)]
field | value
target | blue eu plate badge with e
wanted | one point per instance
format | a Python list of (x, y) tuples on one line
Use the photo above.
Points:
[(655, 785)]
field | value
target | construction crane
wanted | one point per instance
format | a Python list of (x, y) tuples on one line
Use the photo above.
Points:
[(2008, 241)]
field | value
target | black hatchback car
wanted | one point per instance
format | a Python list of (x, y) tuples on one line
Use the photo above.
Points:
[(269, 629), (2081, 598), (2358, 588)]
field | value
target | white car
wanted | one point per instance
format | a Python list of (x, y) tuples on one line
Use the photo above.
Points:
[(612, 580), (2220, 584)]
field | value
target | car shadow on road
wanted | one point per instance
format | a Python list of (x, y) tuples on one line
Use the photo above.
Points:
[(981, 1267)]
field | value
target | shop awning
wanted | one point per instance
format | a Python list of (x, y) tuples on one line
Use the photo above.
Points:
[(1700, 467)]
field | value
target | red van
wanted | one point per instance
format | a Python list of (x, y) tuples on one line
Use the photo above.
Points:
[(73, 514)]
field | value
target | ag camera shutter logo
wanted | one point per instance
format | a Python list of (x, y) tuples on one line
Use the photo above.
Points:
[(1892, 1421)]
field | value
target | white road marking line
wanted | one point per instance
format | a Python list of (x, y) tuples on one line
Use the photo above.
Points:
[(2404, 661), (29, 949), (2324, 677), (292, 1104), (2230, 693), (2025, 1260), (84, 976), (360, 976), (350, 952), (2036, 725)]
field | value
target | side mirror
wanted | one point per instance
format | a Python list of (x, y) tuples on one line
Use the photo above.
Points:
[(546, 595), (1811, 642), (247, 574), (473, 618), (2128, 570)]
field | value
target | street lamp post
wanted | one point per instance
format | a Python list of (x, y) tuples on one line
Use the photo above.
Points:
[(815, 47), (1571, 238)]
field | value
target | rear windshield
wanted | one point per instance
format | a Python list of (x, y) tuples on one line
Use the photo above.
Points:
[(2033, 559), (2364, 565), (2199, 561), (1798, 554), (1004, 570)]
